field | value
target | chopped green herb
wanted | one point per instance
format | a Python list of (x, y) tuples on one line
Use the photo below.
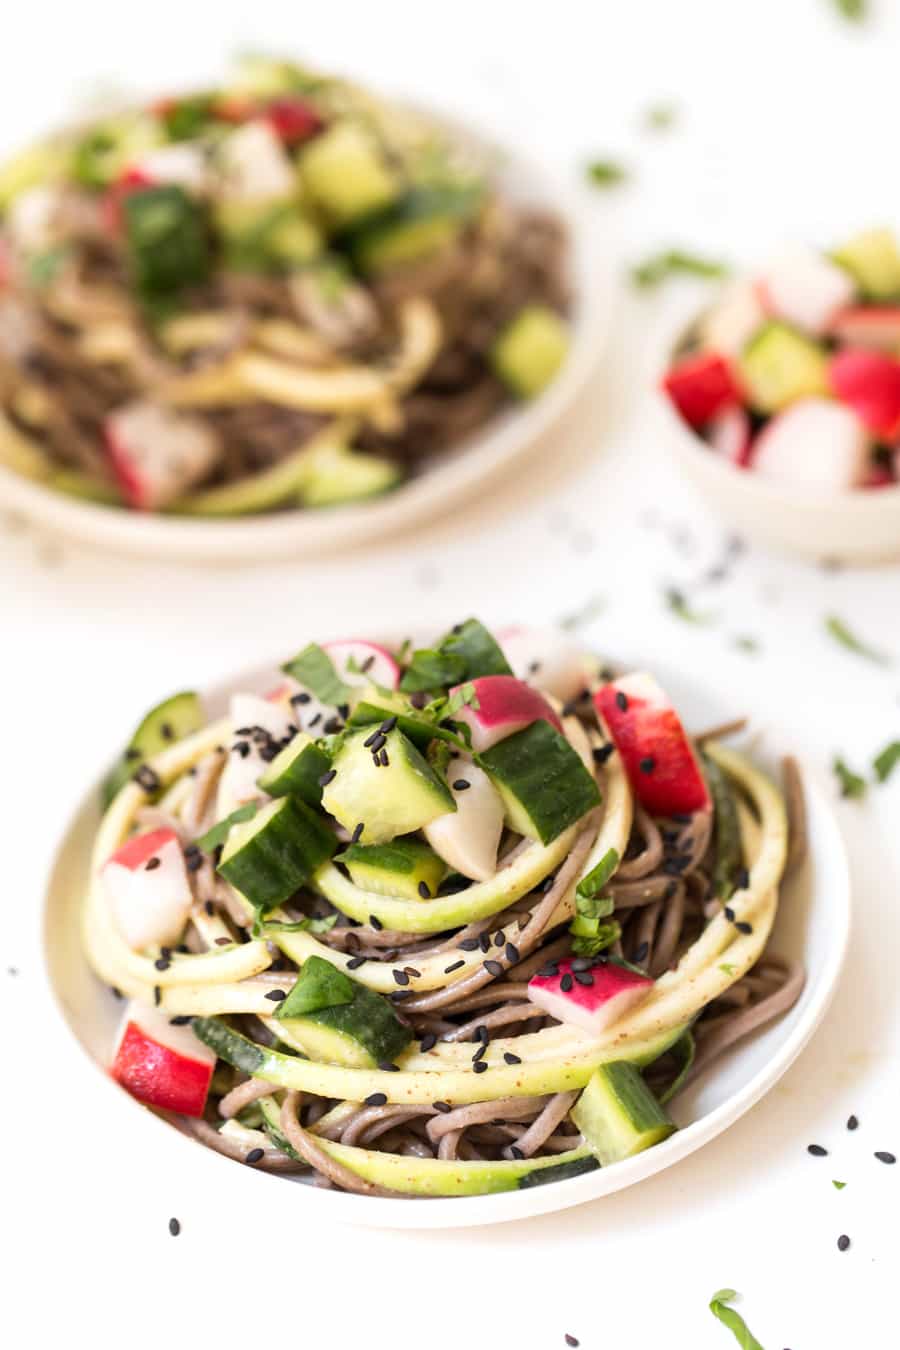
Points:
[(314, 669), (605, 173), (660, 116), (886, 761), (851, 784), (854, 10), (837, 629), (750, 645), (678, 604), (718, 1306), (319, 985), (581, 617), (839, 1185), (432, 669), (167, 241), (589, 886), (265, 928), (672, 263), (727, 968), (219, 833), (684, 1050), (603, 936), (185, 118), (465, 696)]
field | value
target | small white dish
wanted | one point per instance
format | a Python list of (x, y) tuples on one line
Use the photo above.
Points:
[(862, 526), (813, 926), (453, 475)]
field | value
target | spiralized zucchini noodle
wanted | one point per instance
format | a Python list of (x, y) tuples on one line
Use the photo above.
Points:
[(480, 1088), (194, 293)]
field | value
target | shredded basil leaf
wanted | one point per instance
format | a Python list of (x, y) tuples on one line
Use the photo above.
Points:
[(660, 116), (464, 697), (219, 833), (886, 761), (598, 876), (603, 936), (264, 928), (679, 606), (606, 173), (431, 668), (856, 11), (837, 629), (839, 1185), (684, 1049), (851, 784), (727, 968), (718, 1306), (674, 262), (314, 669)]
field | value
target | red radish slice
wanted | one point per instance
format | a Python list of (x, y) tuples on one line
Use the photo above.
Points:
[(293, 119), (701, 387), (732, 321), (593, 1007), (157, 454), (505, 706), (869, 383), (547, 659), (868, 326), (148, 889), (658, 757), (468, 838), (730, 434), (816, 444), (805, 289), (163, 1065), (370, 662)]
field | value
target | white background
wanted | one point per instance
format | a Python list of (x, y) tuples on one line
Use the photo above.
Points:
[(787, 125)]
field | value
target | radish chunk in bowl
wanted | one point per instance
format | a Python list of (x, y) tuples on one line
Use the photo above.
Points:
[(815, 444), (148, 888), (162, 1064), (501, 706), (592, 999)]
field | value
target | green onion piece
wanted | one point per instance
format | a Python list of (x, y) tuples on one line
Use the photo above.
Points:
[(886, 761), (718, 1306), (603, 936), (598, 876), (674, 262), (851, 784), (837, 629)]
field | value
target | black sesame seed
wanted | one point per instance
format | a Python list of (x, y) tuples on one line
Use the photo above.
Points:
[(448, 970), (387, 1066), (484, 942), (132, 753), (388, 724), (817, 1150), (566, 982), (843, 1242), (276, 995), (209, 907), (885, 1157), (180, 1021), (400, 977), (327, 778), (743, 927), (384, 761), (493, 968), (621, 701), (313, 720), (302, 697), (647, 764), (418, 699), (499, 938), (443, 1107), (355, 962), (469, 945), (428, 1041), (375, 923), (482, 1034), (151, 864), (584, 977), (602, 753), (344, 710), (511, 953), (376, 1099), (424, 890), (641, 953), (157, 995), (357, 833), (742, 879), (374, 741), (193, 862), (162, 963), (411, 970), (572, 1340), (516, 1152), (147, 779), (460, 784), (479, 1054), (255, 1155), (549, 971), (729, 913), (510, 1058), (480, 1067), (174, 1227), (852, 1122)]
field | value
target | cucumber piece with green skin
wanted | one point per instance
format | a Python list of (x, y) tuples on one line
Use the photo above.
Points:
[(387, 799), (780, 365), (278, 485), (543, 783), (269, 237), (346, 173), (619, 1115), (376, 706), (424, 221), (338, 474), (168, 722), (528, 353), (399, 868), (873, 260), (295, 771), (360, 1031), (270, 857)]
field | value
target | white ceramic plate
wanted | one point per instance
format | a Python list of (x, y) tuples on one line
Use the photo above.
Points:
[(812, 926), (452, 476), (862, 526)]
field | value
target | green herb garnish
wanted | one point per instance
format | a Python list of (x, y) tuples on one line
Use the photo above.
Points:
[(266, 927), (463, 697), (591, 933), (660, 116), (851, 785), (750, 645), (672, 263), (837, 629), (727, 968), (314, 669), (886, 761), (684, 1050), (219, 833), (854, 10), (319, 985), (605, 173), (718, 1306), (678, 604), (167, 242), (839, 1185), (592, 884)]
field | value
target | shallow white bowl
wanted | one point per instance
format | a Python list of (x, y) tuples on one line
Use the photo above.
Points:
[(452, 476), (813, 926), (862, 526)]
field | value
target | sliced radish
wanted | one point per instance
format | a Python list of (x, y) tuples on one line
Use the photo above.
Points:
[(258, 725), (504, 706), (148, 889), (869, 383), (868, 326), (255, 165), (702, 386), (730, 434), (657, 754), (593, 1007), (359, 662), (806, 289), (732, 321), (157, 454), (546, 658), (468, 838), (815, 443), (293, 119), (163, 1065)]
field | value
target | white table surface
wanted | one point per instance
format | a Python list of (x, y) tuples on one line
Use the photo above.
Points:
[(786, 126)]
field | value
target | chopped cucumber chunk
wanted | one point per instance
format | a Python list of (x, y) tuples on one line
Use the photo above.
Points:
[(420, 224), (346, 173), (873, 260), (267, 237), (530, 350), (780, 365), (270, 857), (360, 1030), (295, 771), (106, 149), (543, 783), (405, 867), (166, 240), (169, 721), (376, 705), (338, 474), (396, 794), (619, 1115)]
